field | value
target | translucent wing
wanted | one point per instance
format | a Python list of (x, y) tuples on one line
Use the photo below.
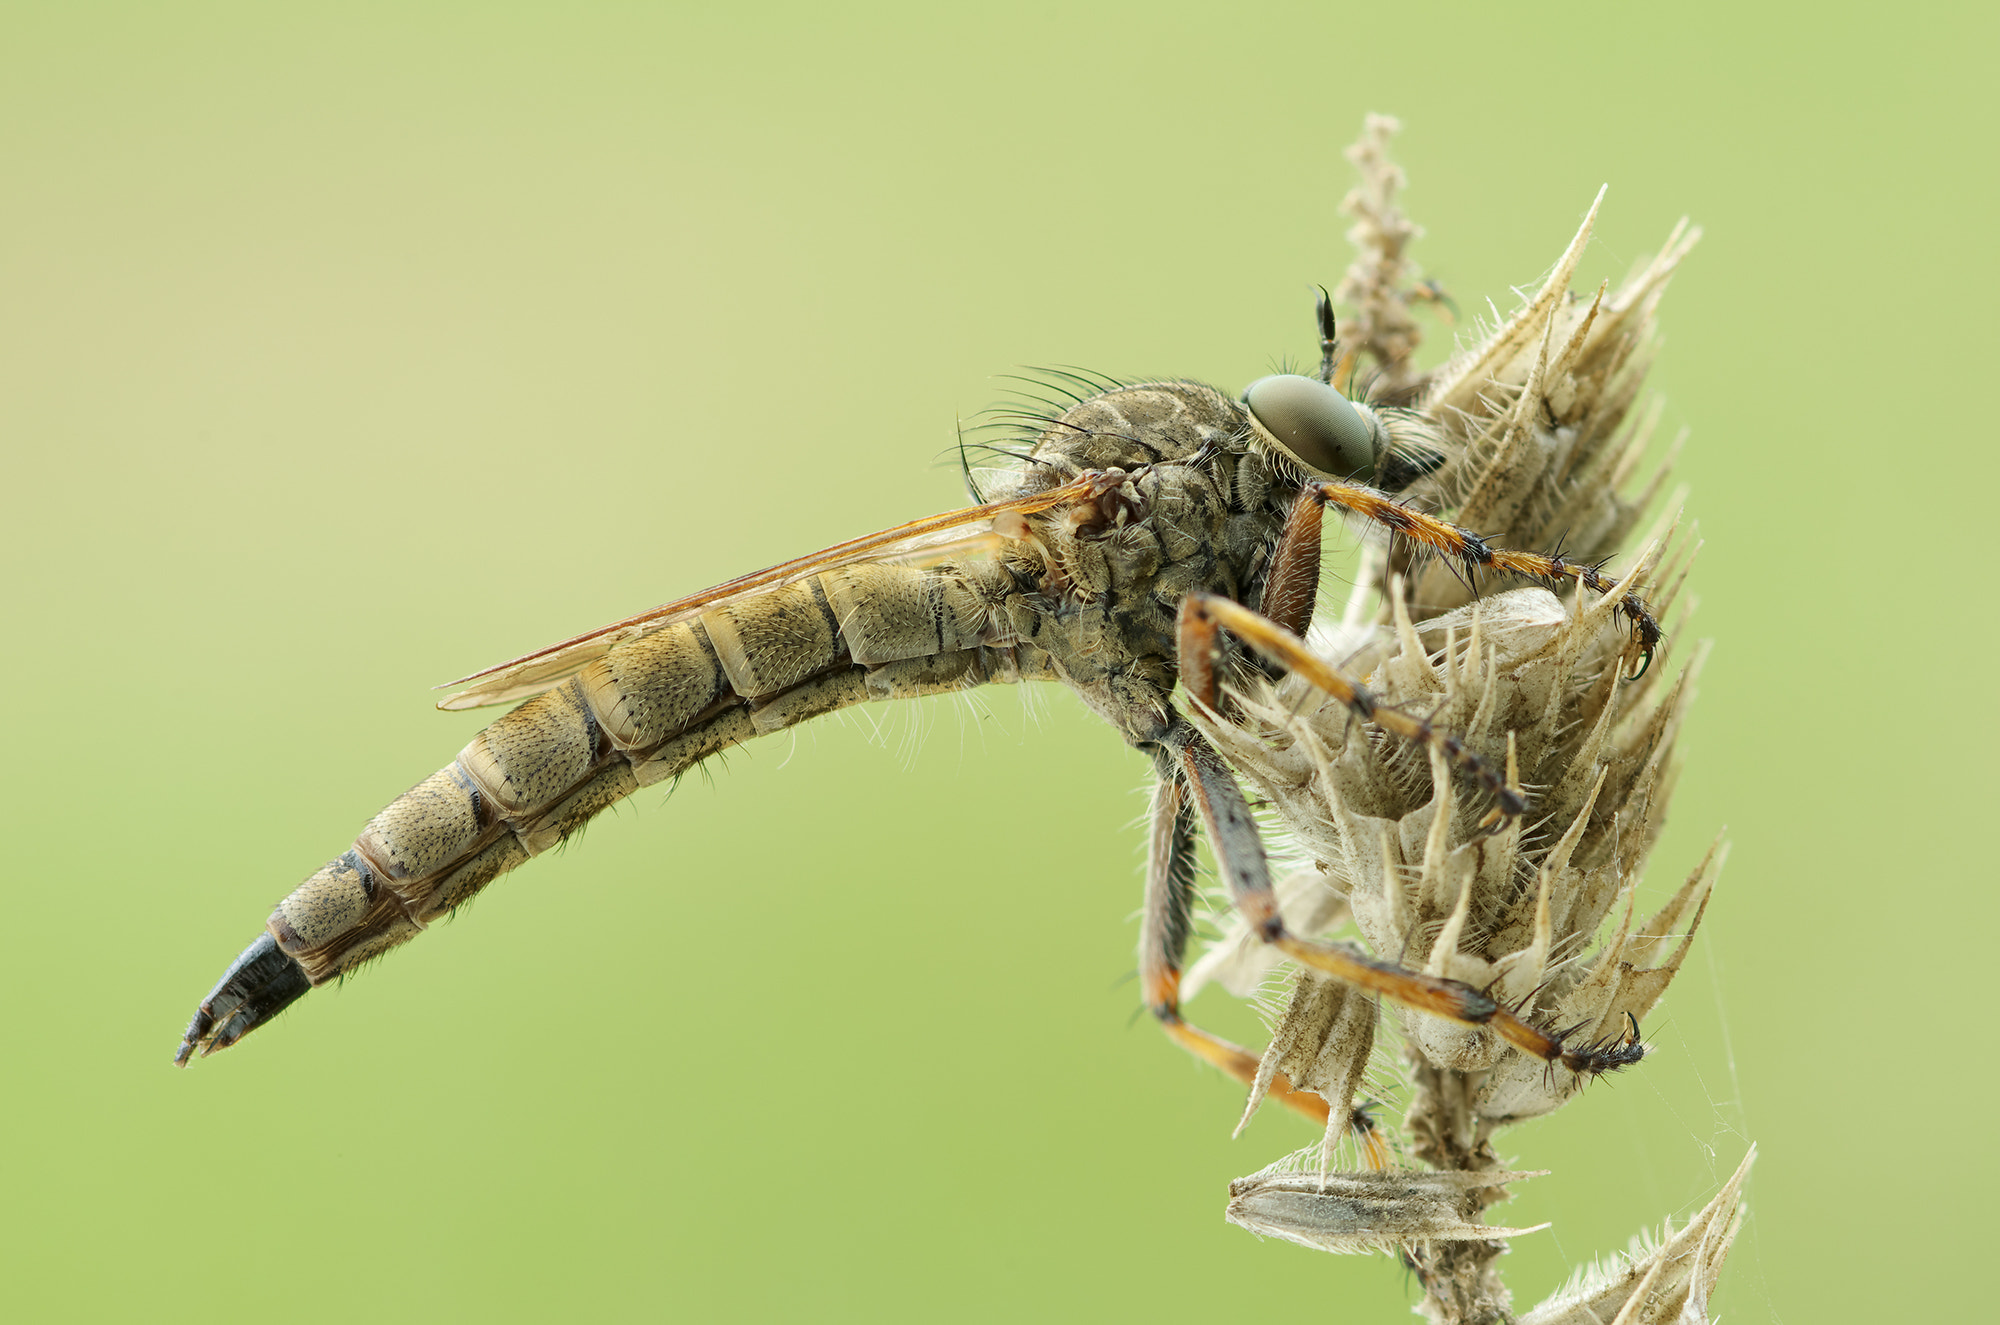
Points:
[(935, 538)]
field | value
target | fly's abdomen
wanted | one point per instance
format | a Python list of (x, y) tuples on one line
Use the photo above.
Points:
[(644, 713)]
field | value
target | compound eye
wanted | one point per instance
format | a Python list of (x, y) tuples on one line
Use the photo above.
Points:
[(1314, 424)]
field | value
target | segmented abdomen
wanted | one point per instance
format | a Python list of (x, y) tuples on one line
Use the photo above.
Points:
[(644, 713)]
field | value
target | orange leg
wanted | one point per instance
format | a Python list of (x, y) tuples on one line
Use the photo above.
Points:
[(1470, 551), (1291, 586), (1376, 1155)]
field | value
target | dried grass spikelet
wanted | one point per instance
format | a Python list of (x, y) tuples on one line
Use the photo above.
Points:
[(1350, 1212), (1377, 283), (1543, 442), (1664, 1279)]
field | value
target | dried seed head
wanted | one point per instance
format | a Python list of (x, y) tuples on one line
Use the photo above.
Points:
[(1529, 438)]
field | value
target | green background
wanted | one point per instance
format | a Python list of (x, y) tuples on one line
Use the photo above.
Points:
[(345, 351)]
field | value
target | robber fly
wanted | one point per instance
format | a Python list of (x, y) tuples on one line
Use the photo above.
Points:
[(1142, 522)]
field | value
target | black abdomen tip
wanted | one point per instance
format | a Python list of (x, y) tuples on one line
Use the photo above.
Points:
[(259, 984)]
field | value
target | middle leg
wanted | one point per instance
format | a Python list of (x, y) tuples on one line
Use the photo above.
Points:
[(1164, 929)]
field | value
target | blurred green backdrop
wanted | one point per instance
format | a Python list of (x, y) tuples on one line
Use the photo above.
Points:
[(344, 350)]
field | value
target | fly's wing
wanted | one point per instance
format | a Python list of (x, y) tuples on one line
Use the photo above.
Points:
[(936, 538)]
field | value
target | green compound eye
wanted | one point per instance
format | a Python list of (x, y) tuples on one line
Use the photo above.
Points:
[(1316, 425)]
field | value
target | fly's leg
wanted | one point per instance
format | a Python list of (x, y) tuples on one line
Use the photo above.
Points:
[(1291, 586), (1471, 551), (1240, 852), (1366, 1129), (1164, 929), (1290, 593)]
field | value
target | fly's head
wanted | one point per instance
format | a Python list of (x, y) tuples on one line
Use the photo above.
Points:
[(1320, 431)]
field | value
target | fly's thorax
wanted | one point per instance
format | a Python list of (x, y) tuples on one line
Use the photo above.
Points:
[(1181, 500), (1177, 502)]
